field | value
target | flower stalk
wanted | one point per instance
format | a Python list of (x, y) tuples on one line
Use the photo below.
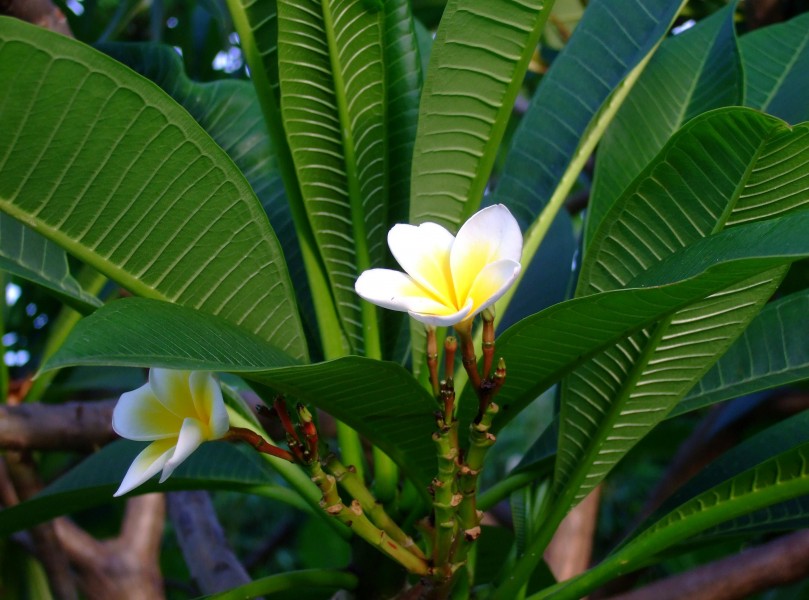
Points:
[(257, 442)]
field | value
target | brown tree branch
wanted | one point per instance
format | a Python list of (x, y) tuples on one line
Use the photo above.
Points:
[(123, 567), (213, 565), (779, 562), (39, 12), (68, 426)]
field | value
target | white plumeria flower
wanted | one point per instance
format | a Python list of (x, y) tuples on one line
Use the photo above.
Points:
[(449, 279), (177, 411)]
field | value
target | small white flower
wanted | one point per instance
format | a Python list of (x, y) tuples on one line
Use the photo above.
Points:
[(449, 279), (177, 411)]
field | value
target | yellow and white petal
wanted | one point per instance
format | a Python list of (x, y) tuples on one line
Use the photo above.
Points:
[(423, 251), (139, 415), (172, 389), (397, 291), (207, 396), (192, 434), (490, 235), (445, 318), (492, 282), (146, 464)]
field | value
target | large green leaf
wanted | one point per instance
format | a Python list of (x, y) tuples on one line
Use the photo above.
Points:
[(777, 479), (126, 180), (481, 51), (228, 111), (540, 349), (381, 400), (333, 106), (691, 73), (257, 26), (216, 465), (27, 254), (776, 60), (779, 438), (723, 168), (403, 79), (771, 352)]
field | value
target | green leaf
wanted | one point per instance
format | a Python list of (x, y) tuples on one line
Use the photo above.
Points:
[(779, 438), (26, 254), (691, 73), (612, 39), (723, 168), (403, 79), (481, 51), (776, 60), (333, 105), (540, 349), (228, 110), (124, 179), (380, 400), (777, 479), (257, 26), (216, 465), (771, 352)]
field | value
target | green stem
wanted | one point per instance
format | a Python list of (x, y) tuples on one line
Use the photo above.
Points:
[(446, 500), (291, 473), (504, 488), (354, 517), (352, 484), (386, 476), (480, 440)]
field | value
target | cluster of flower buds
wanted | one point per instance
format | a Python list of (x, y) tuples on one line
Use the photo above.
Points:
[(302, 436)]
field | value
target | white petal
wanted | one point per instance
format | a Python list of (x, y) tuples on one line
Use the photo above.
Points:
[(191, 437), (423, 252), (490, 235), (140, 416), (146, 464), (207, 396), (492, 282), (395, 290), (438, 320), (172, 389)]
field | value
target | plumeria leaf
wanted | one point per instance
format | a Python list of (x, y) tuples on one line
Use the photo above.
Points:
[(123, 178), (216, 465), (776, 60), (333, 106), (228, 110), (770, 478), (26, 254), (481, 53), (745, 159), (381, 400), (691, 73), (771, 352)]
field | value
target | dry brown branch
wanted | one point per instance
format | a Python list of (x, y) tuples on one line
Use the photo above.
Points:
[(212, 563), (570, 551), (123, 567), (39, 12), (776, 563), (68, 426)]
